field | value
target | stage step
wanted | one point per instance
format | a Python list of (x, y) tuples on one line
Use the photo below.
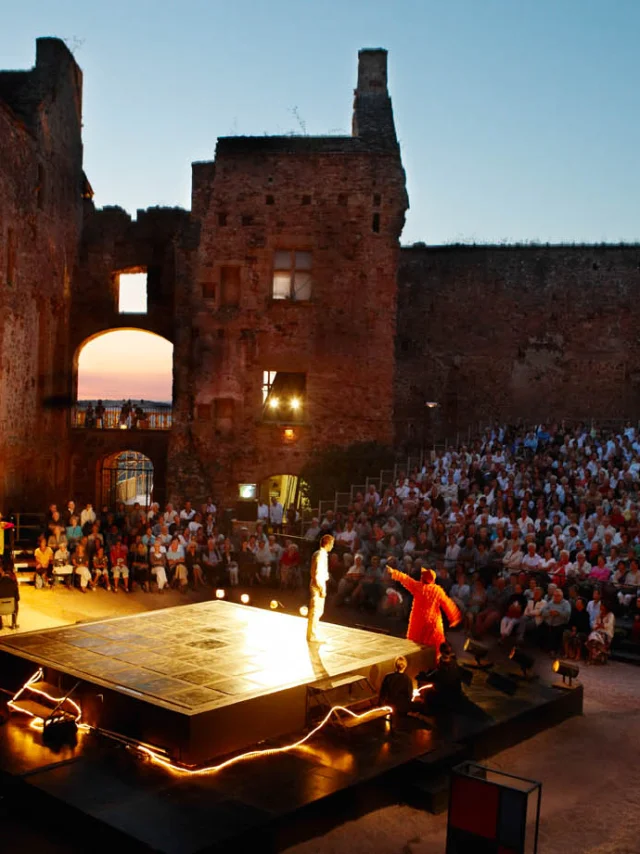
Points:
[(33, 707)]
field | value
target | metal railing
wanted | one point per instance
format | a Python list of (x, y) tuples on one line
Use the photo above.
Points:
[(113, 418)]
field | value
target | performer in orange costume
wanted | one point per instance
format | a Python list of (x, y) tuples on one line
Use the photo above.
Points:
[(425, 622)]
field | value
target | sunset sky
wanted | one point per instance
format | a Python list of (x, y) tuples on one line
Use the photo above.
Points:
[(126, 364)]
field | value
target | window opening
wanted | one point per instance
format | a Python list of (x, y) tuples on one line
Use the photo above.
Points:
[(132, 293), (292, 275)]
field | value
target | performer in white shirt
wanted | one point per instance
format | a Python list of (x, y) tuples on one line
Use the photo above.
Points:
[(318, 587)]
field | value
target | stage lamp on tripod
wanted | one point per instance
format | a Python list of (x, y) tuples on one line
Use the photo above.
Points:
[(524, 661), (245, 598), (566, 669)]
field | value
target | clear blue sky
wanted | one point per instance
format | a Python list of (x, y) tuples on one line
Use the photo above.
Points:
[(518, 119)]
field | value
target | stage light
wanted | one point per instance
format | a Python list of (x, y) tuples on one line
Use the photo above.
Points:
[(123, 426), (566, 669), (524, 661), (245, 598), (274, 402), (295, 403), (477, 650), (431, 404), (220, 593), (274, 605), (304, 611), (502, 683)]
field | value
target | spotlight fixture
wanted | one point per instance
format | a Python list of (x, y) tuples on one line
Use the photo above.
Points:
[(524, 661), (478, 651), (295, 403), (505, 684), (566, 669), (245, 598), (123, 425), (274, 605), (431, 404), (220, 593), (274, 402), (304, 611)]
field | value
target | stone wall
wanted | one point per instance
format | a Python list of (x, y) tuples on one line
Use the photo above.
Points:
[(343, 200), (41, 188), (518, 332)]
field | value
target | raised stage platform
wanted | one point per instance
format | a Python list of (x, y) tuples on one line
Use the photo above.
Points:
[(201, 681), (243, 664)]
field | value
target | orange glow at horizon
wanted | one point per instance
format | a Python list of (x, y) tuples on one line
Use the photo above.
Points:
[(124, 364)]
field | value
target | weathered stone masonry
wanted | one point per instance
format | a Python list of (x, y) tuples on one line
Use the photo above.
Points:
[(483, 331)]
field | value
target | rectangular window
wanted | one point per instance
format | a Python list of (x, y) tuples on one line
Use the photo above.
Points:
[(292, 275), (284, 396), (229, 286), (132, 293)]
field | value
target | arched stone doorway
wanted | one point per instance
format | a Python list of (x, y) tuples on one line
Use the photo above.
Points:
[(125, 477), (119, 365), (283, 487)]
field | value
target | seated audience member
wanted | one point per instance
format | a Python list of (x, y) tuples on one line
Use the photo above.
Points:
[(229, 563), (446, 692), (62, 564), (290, 567), (210, 561), (397, 688), (9, 589), (577, 631), (81, 570), (477, 602), (176, 565), (119, 564), (100, 569), (533, 616), (601, 635), (350, 581), (556, 615), (56, 538), (73, 533), (43, 556), (593, 607), (158, 565), (192, 562), (140, 564)]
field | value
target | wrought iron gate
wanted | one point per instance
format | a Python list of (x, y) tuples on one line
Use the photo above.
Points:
[(127, 477)]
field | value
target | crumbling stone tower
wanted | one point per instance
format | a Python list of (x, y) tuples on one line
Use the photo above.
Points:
[(286, 299), (42, 186)]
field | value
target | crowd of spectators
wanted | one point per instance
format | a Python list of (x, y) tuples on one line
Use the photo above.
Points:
[(132, 548), (533, 532)]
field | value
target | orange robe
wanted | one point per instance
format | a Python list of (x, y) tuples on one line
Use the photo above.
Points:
[(425, 622)]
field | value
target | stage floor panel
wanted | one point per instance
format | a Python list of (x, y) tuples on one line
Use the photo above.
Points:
[(195, 658)]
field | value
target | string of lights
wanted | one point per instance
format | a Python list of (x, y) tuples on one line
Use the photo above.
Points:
[(163, 761)]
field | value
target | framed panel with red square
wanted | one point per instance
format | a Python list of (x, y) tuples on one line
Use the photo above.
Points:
[(491, 812)]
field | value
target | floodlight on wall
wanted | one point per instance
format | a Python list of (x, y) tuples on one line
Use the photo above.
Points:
[(566, 669), (220, 593), (304, 611), (295, 403), (431, 404), (478, 651), (524, 661), (274, 402), (245, 598)]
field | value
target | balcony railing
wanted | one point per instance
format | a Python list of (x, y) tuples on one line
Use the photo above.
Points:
[(113, 418)]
